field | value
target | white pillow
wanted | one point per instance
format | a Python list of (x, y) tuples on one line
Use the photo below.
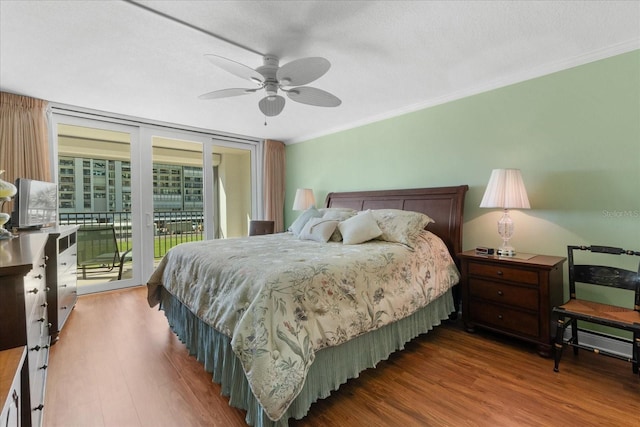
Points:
[(400, 226), (338, 214), (318, 229), (358, 229), (300, 222)]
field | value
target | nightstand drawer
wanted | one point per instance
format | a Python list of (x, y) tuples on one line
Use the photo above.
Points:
[(518, 296), (500, 271), (505, 319), (512, 295)]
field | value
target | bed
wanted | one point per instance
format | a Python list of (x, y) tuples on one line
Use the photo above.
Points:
[(277, 319)]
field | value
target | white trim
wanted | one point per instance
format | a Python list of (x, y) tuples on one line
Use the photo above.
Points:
[(530, 74), (73, 111), (602, 342)]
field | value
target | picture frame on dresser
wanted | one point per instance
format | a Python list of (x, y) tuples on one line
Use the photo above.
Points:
[(513, 296)]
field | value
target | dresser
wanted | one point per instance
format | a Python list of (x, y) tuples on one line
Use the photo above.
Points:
[(61, 252), (24, 316), (512, 295), (11, 365)]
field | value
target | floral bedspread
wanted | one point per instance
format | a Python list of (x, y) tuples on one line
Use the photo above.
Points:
[(281, 299)]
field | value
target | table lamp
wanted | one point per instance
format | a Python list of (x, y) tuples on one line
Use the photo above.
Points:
[(506, 191)]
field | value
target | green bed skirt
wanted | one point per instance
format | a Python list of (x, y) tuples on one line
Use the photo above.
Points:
[(332, 366)]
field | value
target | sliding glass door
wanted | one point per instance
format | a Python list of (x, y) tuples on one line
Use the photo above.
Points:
[(202, 189), (94, 174), (138, 190)]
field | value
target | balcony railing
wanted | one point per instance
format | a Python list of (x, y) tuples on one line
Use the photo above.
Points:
[(170, 228)]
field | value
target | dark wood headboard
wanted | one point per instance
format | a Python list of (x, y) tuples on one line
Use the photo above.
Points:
[(445, 205)]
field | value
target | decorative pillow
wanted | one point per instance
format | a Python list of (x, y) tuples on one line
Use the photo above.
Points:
[(358, 229), (300, 222), (339, 214), (318, 229), (400, 226)]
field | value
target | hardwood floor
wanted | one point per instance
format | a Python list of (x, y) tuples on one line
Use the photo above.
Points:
[(117, 363)]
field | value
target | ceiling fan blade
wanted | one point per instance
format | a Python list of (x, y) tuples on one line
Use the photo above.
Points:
[(313, 96), (271, 105), (236, 68), (226, 93), (302, 71)]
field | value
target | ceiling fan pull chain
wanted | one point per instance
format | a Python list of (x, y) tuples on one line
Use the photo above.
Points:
[(265, 120)]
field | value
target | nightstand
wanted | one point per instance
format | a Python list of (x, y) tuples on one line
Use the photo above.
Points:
[(513, 296)]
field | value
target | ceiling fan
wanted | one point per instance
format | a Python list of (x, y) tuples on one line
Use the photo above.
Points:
[(290, 79)]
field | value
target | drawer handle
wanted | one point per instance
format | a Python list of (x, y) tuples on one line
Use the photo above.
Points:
[(40, 407), (63, 263), (44, 367), (39, 276), (33, 291), (42, 319), (64, 307), (63, 286), (499, 273), (44, 304), (500, 293), (42, 265), (500, 316), (38, 348)]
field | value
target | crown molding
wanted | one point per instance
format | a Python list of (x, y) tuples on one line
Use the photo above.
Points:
[(533, 73)]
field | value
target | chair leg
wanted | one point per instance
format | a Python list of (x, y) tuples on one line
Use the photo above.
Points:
[(559, 344), (574, 335), (636, 352)]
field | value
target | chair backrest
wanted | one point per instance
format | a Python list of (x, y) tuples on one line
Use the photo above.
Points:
[(259, 227), (97, 242), (601, 275)]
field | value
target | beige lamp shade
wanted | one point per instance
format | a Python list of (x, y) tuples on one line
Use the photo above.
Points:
[(505, 190), (304, 199)]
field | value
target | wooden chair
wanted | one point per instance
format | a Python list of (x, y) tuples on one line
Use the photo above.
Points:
[(98, 248), (259, 227), (576, 309)]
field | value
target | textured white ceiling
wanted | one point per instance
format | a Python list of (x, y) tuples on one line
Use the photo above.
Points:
[(388, 57)]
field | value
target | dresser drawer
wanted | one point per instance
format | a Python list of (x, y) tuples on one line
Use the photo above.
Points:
[(502, 272), (11, 362), (38, 365), (504, 293), (505, 319), (34, 288), (38, 328)]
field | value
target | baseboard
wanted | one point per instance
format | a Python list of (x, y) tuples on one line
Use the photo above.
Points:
[(602, 341)]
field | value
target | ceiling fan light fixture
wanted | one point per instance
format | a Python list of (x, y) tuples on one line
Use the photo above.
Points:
[(273, 107), (271, 77)]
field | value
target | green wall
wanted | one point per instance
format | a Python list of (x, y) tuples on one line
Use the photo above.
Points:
[(575, 135)]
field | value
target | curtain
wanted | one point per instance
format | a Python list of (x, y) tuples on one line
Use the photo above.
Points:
[(24, 141), (274, 185)]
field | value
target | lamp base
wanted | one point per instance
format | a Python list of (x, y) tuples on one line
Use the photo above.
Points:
[(507, 251)]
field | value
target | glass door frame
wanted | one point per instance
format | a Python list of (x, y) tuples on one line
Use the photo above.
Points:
[(147, 133), (134, 133), (142, 132)]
